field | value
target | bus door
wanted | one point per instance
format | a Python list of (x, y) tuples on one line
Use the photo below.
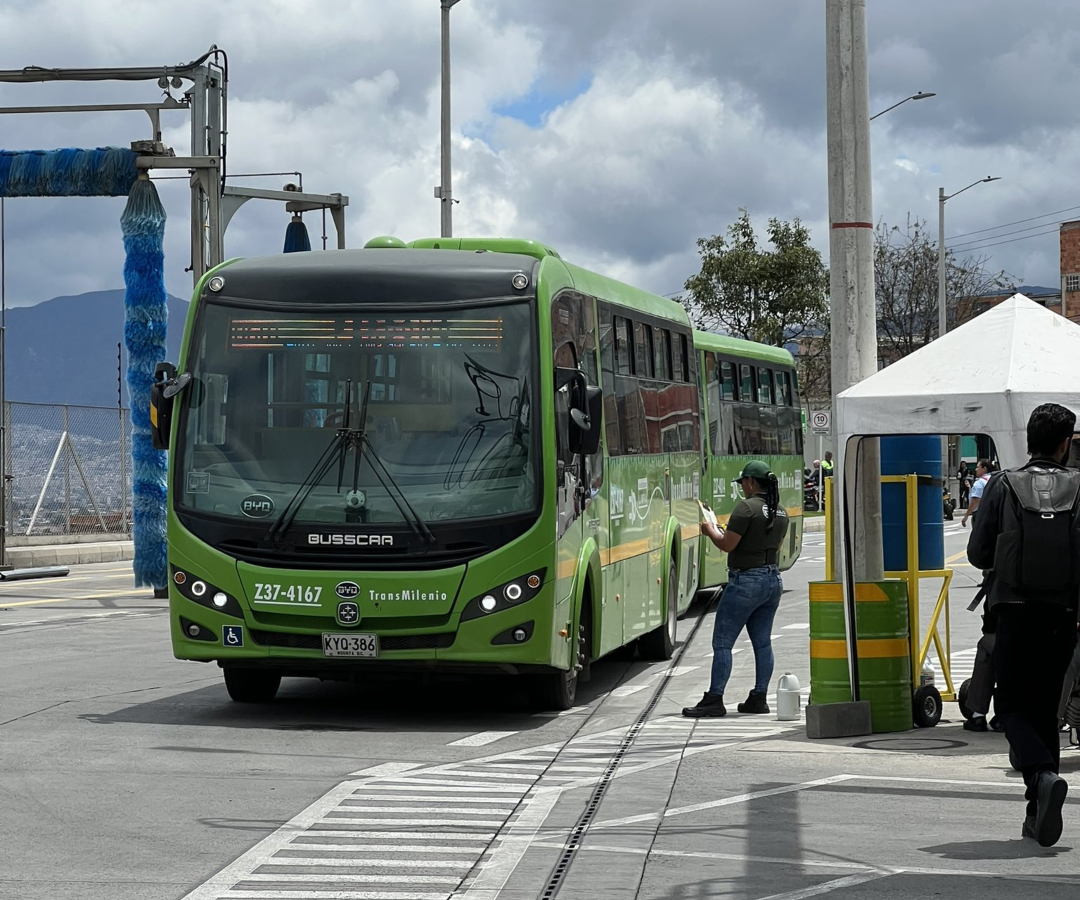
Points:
[(579, 477)]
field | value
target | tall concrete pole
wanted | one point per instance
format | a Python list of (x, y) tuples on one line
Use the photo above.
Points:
[(853, 318), (444, 193)]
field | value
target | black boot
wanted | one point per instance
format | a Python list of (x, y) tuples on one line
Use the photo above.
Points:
[(710, 706), (755, 703)]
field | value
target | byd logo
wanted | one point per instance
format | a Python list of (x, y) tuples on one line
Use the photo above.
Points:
[(256, 506), (346, 590)]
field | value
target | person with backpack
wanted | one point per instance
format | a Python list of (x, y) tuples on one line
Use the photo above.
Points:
[(1027, 533)]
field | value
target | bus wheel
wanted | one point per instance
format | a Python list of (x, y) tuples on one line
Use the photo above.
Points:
[(252, 685), (659, 644), (558, 690)]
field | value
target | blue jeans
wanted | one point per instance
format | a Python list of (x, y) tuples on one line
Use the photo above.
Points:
[(749, 601)]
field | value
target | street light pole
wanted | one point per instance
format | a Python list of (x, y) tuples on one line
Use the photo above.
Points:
[(443, 192), (922, 95), (943, 324)]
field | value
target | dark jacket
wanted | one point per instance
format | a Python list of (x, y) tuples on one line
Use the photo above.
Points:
[(985, 528)]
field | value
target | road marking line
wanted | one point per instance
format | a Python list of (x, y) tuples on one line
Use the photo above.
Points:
[(110, 596), (501, 863), (235, 894), (338, 862), (365, 808), (446, 786), (387, 768), (481, 738), (367, 878), (628, 689), (412, 798), (401, 835), (476, 850), (829, 886), (797, 625), (331, 817)]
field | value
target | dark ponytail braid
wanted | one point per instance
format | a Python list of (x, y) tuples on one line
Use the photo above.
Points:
[(772, 500)]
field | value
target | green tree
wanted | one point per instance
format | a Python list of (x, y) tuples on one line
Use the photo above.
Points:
[(772, 296)]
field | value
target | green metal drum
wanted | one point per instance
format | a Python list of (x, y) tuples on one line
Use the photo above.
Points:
[(881, 618)]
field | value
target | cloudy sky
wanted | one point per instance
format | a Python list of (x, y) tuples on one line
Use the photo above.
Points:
[(617, 132)]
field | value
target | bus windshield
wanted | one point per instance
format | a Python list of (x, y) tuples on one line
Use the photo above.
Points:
[(448, 416)]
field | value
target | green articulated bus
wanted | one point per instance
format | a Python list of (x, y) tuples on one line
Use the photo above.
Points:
[(456, 454)]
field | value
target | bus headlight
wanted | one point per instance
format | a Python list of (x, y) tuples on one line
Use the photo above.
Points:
[(191, 587), (504, 596)]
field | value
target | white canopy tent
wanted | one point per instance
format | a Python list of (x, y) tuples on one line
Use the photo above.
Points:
[(985, 377)]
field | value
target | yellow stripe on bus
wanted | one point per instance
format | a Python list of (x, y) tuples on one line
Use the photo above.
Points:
[(871, 648)]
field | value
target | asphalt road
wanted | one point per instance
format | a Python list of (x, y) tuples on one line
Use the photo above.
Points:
[(128, 774)]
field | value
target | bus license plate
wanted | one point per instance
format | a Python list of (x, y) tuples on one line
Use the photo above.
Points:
[(364, 645)]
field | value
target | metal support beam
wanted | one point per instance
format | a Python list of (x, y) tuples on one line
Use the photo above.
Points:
[(295, 201)]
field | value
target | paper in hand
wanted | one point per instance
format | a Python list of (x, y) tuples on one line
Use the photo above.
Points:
[(707, 514)]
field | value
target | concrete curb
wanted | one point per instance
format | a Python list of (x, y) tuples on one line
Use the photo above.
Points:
[(81, 553)]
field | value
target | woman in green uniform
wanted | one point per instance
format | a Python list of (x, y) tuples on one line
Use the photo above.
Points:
[(752, 541)]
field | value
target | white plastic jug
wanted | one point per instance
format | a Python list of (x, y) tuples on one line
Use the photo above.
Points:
[(788, 698), (928, 674)]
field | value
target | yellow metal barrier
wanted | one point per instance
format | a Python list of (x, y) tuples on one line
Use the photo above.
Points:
[(913, 575), (826, 504)]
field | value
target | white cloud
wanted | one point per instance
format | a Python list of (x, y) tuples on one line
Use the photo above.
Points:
[(688, 114)]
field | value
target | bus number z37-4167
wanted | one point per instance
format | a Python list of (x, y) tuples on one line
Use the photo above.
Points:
[(287, 593)]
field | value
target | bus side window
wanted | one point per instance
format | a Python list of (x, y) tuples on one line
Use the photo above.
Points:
[(678, 360), (624, 349), (747, 392), (765, 385), (727, 381), (662, 353), (643, 357)]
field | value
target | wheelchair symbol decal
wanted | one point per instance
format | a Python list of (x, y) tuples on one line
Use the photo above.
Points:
[(233, 636)]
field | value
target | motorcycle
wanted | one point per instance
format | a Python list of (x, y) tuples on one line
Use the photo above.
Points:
[(948, 504), (811, 501)]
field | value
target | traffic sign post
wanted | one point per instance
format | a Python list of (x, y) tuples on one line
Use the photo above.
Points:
[(821, 424)]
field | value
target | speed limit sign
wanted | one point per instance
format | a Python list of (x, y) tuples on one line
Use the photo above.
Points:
[(820, 422)]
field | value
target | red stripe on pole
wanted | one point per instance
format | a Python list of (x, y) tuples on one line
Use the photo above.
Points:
[(852, 225)]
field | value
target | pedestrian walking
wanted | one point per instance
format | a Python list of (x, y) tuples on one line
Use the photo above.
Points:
[(1027, 533), (963, 478), (752, 540), (983, 469)]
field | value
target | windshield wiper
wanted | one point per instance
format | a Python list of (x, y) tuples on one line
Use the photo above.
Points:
[(350, 439)]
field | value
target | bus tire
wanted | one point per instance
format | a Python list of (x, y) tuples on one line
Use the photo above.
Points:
[(252, 685), (659, 644), (558, 690)]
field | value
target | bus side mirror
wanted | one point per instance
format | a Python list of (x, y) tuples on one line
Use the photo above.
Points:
[(587, 419), (166, 386)]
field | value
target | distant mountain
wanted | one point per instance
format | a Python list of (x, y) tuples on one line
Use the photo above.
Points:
[(64, 350)]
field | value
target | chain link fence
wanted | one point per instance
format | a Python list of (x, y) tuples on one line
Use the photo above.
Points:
[(68, 470)]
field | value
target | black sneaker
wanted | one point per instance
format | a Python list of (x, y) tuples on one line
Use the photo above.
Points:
[(710, 706), (1052, 789), (755, 704), (976, 723)]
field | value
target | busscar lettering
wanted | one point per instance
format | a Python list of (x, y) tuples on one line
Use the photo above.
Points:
[(395, 596), (351, 540)]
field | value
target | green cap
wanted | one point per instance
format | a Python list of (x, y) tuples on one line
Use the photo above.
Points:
[(756, 468)]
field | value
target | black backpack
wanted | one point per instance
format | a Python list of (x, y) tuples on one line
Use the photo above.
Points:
[(1038, 548)]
